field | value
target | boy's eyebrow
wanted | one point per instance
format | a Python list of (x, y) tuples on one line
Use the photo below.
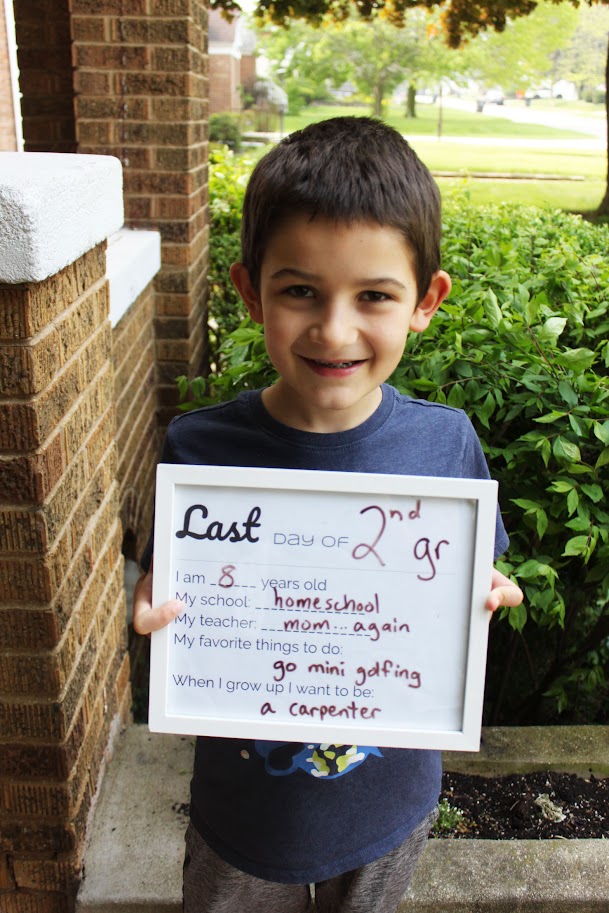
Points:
[(290, 271)]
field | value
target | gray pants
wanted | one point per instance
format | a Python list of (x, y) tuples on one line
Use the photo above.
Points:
[(213, 886)]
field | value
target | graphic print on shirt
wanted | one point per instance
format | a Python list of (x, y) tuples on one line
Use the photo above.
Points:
[(327, 760)]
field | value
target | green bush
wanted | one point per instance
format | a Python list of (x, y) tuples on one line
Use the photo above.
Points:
[(228, 176), (522, 346), (225, 129), (594, 95)]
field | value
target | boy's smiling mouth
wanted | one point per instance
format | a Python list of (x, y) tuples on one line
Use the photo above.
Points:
[(333, 368)]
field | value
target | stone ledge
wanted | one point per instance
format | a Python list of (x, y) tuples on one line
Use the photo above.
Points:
[(133, 859), (510, 876), (580, 750), (53, 209), (133, 258)]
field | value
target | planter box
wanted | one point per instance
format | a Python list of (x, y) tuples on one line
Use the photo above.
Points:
[(133, 862), (519, 876)]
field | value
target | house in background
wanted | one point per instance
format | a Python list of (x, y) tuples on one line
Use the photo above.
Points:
[(232, 64)]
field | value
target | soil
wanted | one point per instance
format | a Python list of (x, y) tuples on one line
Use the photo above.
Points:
[(521, 807)]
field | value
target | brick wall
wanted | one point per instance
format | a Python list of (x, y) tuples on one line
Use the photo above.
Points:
[(124, 77), (63, 668), (137, 434), (8, 137), (42, 30), (141, 94), (224, 82), (247, 72)]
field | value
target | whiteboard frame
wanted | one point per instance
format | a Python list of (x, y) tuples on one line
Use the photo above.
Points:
[(482, 492)]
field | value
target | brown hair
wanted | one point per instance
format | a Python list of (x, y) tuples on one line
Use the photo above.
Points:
[(347, 169)]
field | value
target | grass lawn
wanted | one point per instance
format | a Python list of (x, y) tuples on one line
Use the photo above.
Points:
[(582, 108), (570, 196), (455, 123), (574, 196), (447, 156)]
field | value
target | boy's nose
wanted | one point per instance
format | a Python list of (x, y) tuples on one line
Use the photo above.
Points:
[(334, 328)]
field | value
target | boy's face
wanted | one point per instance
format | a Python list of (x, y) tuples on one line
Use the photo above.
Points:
[(337, 302)]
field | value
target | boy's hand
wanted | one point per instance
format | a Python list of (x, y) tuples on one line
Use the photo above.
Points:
[(145, 618), (503, 592)]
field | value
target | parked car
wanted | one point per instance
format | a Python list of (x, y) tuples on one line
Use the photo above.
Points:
[(490, 97)]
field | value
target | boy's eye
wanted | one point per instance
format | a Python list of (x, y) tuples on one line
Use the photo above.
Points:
[(372, 295), (299, 291)]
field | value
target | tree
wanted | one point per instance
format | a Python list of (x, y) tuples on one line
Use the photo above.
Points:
[(374, 55), (461, 19), (522, 56), (298, 59), (379, 55), (582, 61)]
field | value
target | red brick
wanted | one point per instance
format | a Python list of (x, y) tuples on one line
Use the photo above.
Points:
[(108, 57), (109, 7)]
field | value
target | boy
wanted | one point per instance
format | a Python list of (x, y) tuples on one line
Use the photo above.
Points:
[(340, 260)]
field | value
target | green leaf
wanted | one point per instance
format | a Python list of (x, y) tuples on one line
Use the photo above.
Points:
[(517, 617), (572, 501), (531, 310), (542, 523), (546, 451), (551, 330), (602, 431), (492, 309), (456, 397), (594, 492), (578, 524), (576, 359), (531, 569), (526, 504), (568, 393), (561, 485), (565, 451), (577, 426), (578, 545), (486, 409), (603, 459), (550, 417)]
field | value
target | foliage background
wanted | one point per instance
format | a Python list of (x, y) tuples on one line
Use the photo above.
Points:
[(522, 346)]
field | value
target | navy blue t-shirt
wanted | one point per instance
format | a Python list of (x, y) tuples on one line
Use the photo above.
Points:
[(297, 812)]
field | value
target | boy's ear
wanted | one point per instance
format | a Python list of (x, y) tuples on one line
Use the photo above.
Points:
[(438, 290), (250, 297)]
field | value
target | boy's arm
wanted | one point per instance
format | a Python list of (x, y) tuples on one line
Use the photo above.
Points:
[(503, 592), (145, 618)]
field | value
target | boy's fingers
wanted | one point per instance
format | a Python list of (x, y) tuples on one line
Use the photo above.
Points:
[(509, 595), (146, 618)]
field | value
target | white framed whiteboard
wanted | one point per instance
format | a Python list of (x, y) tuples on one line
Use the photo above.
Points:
[(322, 606)]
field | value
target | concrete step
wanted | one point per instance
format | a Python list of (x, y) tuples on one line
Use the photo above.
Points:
[(510, 876), (134, 855)]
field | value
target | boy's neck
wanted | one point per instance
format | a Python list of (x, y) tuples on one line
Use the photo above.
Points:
[(284, 407)]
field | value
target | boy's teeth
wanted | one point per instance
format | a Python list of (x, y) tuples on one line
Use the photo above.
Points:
[(336, 364)]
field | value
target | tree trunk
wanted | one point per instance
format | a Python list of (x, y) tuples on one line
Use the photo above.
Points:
[(379, 93), (411, 110), (603, 209)]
